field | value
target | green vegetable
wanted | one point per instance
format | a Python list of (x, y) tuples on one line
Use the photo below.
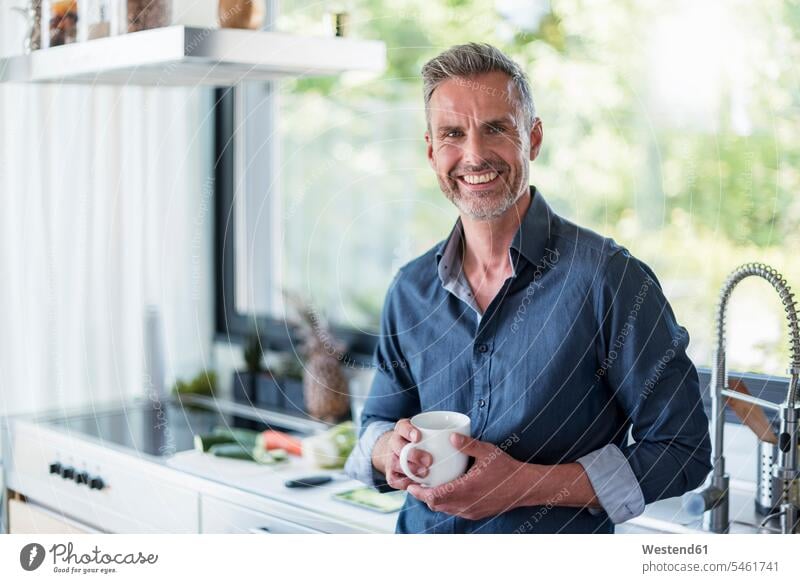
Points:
[(245, 437), (238, 444), (279, 455), (330, 449), (231, 450), (269, 457), (205, 442), (344, 437)]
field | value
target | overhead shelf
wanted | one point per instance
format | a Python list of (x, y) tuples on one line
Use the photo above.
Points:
[(181, 56)]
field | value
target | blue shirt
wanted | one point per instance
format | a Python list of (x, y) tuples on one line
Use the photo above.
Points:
[(578, 358)]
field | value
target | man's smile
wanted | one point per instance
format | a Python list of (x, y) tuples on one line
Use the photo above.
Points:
[(478, 181)]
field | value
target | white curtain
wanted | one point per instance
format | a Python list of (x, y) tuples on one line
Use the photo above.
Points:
[(105, 209)]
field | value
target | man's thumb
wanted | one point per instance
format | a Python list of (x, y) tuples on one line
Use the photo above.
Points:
[(468, 445)]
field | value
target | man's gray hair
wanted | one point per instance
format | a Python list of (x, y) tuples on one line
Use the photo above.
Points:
[(471, 59)]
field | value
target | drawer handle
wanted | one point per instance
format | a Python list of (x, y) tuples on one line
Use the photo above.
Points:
[(259, 530)]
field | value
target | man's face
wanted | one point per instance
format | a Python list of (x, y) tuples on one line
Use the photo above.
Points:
[(478, 144)]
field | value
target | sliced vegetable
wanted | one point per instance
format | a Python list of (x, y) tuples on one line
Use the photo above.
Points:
[(204, 442), (280, 455), (269, 457), (372, 499), (271, 439)]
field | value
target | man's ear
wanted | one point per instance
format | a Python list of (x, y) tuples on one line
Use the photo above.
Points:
[(537, 135), (429, 143)]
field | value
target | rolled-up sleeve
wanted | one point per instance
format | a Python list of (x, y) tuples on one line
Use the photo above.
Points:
[(393, 394), (652, 379), (614, 483), (359, 463)]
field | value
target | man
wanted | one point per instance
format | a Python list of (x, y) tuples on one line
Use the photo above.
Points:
[(555, 341)]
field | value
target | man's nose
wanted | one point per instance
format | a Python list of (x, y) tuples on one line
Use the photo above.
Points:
[(474, 153)]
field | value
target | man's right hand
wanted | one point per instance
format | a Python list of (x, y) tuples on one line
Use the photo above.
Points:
[(386, 455)]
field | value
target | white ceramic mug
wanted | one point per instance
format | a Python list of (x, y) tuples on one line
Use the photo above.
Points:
[(436, 427)]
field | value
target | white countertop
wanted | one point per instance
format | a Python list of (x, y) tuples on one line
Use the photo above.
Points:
[(268, 481)]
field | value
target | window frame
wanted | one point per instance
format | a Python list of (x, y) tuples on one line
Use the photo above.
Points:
[(230, 324)]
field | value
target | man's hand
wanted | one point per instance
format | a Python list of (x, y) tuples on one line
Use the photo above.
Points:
[(386, 455), (487, 489)]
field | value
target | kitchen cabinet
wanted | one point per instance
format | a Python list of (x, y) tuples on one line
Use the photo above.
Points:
[(31, 518), (143, 492), (133, 495), (220, 517)]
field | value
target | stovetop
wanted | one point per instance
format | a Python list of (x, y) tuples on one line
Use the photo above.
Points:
[(164, 427), (156, 428)]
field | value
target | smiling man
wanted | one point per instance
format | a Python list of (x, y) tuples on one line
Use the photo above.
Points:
[(558, 344)]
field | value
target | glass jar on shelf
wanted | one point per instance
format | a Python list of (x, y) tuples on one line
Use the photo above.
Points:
[(98, 19), (59, 22), (32, 13), (241, 14), (145, 14)]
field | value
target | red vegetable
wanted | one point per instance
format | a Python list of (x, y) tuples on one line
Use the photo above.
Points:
[(271, 439)]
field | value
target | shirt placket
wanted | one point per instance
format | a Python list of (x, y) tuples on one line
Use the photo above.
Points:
[(482, 350), (482, 356)]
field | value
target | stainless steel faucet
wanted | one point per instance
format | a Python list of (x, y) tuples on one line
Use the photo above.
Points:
[(715, 497)]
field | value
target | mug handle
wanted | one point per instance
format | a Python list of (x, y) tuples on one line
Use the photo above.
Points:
[(404, 463)]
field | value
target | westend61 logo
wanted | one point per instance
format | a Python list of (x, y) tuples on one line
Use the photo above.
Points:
[(66, 560)]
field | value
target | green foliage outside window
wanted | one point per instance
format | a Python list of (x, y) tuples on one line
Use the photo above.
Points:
[(670, 126)]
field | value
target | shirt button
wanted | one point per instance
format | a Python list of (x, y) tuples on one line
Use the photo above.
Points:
[(482, 348), (481, 403)]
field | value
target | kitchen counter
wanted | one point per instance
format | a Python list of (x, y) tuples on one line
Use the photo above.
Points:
[(268, 481), (144, 453), (668, 516), (664, 516), (253, 485)]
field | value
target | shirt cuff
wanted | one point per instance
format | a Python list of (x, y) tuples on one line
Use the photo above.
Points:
[(359, 463), (614, 483)]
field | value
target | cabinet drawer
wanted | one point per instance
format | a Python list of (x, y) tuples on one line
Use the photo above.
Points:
[(220, 517), (28, 518)]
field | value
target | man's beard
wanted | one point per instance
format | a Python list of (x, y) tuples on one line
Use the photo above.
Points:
[(482, 206)]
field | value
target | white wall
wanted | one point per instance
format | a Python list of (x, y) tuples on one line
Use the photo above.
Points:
[(105, 208), (12, 29)]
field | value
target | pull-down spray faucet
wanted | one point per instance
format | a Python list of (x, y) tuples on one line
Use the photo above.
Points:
[(715, 497)]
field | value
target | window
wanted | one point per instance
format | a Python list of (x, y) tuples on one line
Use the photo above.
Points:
[(671, 129), (317, 215)]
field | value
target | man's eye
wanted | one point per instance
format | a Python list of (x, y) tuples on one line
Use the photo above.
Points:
[(453, 134), (493, 129)]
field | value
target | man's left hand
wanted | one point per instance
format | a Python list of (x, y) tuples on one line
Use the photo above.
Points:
[(489, 488)]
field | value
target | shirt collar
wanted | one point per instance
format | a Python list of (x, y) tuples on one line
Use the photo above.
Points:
[(530, 240), (534, 231), (450, 267)]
